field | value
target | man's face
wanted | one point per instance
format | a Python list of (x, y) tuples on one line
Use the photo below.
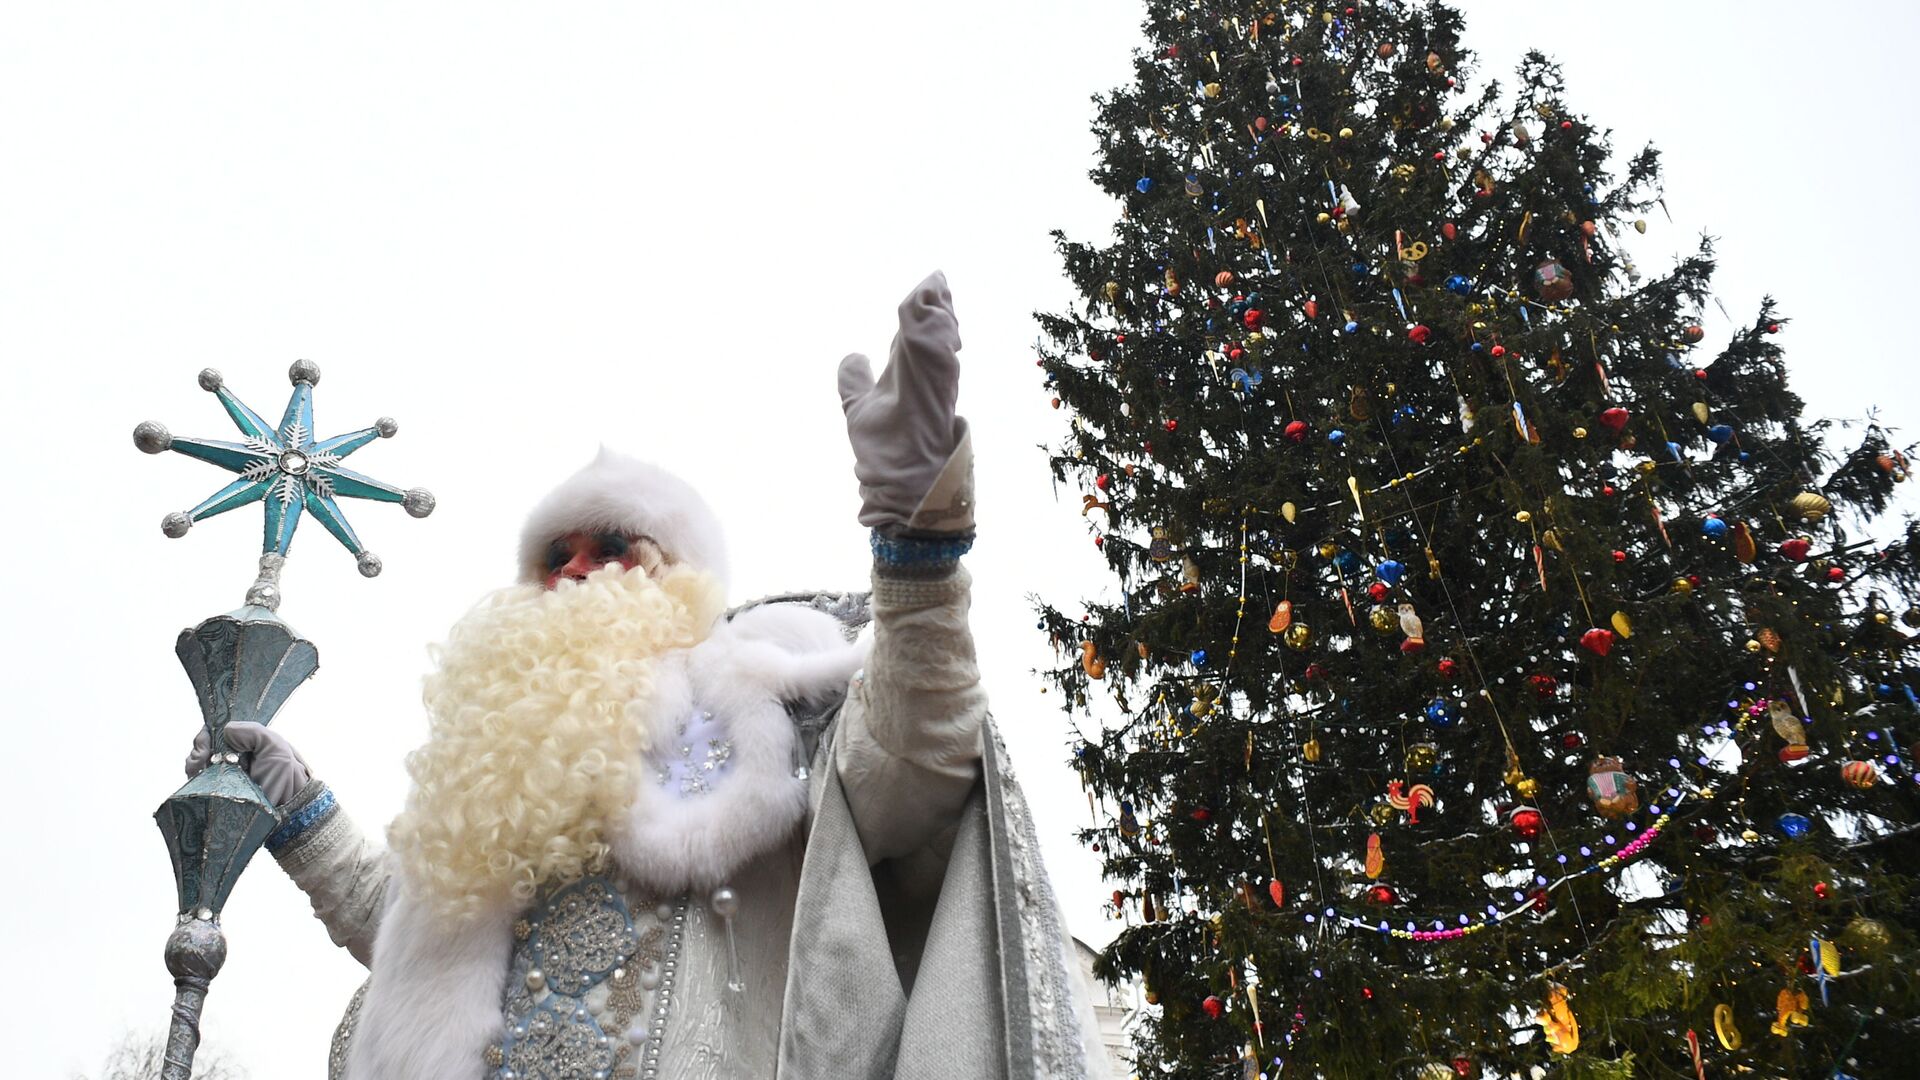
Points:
[(578, 554)]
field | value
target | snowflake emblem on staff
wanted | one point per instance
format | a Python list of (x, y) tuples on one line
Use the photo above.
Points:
[(285, 468)]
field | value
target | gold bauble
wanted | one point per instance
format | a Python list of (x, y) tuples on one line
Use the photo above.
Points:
[(1812, 505), (1683, 586), (1298, 635), (1527, 787), (1111, 290), (1289, 511), (1523, 516), (1622, 625), (1700, 411), (1346, 133), (1579, 433), (1310, 750), (1882, 618), (1383, 619), (1749, 835), (1213, 90), (1381, 813), (1422, 757), (1753, 646), (1329, 549), (1323, 217), (1866, 935)]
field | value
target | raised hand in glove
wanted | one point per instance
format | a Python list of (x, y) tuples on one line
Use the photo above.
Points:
[(266, 754), (911, 453)]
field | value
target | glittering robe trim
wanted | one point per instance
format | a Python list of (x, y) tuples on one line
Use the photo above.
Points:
[(918, 556), (309, 809)]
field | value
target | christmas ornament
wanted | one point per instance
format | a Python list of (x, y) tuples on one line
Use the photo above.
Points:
[(1411, 800), (1282, 617), (1442, 713), (1214, 1006), (1551, 282), (1090, 661), (1859, 774), (1790, 1007), (1277, 892), (1423, 757), (1557, 1020), (1744, 547), (1376, 862), (1382, 619), (1310, 750), (1614, 419), (1724, 1028), (1692, 334), (1298, 636), (1796, 549), (1527, 821), (1613, 792), (1865, 935), (1714, 527), (1597, 641), (1160, 549), (1793, 826), (1811, 505), (1826, 963), (1415, 630)]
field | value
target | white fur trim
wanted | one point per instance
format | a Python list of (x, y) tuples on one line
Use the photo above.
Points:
[(744, 674), (433, 1005), (624, 494)]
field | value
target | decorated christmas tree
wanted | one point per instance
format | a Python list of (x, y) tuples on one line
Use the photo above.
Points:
[(1500, 673)]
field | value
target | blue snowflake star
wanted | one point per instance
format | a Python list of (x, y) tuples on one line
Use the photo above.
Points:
[(284, 467)]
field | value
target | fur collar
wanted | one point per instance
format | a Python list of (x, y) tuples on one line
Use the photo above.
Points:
[(433, 1004)]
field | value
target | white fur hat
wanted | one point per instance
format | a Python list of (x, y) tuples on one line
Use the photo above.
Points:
[(618, 493)]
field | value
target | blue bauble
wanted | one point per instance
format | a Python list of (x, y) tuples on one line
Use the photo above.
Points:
[(1391, 571), (1714, 527), (1745, 457), (1351, 327), (1442, 713), (1478, 347), (1143, 185), (1674, 449), (1199, 657), (1336, 436), (1793, 826), (1346, 562), (1403, 413), (1459, 284), (1359, 269), (1720, 433)]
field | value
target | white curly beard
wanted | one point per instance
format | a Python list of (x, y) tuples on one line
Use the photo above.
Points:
[(537, 710)]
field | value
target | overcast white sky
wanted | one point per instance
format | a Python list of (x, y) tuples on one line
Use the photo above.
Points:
[(525, 229)]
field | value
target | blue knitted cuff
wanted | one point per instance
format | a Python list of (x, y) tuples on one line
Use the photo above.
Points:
[(301, 820), (919, 553)]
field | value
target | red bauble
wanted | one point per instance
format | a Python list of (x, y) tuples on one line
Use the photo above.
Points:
[(1539, 898), (1214, 1006), (1103, 481), (1377, 591), (1421, 333), (1315, 671), (1278, 892), (1172, 425), (1235, 352), (1381, 894), (1498, 351), (1527, 822), (1566, 125), (1835, 573), (1449, 230), (1544, 686), (1253, 318), (1463, 1066), (1297, 430), (1773, 328), (1619, 556), (1615, 419), (1607, 490), (1796, 549), (1448, 667), (1099, 541), (1260, 125), (1312, 308), (1822, 890), (1598, 641), (1200, 814), (1367, 992)]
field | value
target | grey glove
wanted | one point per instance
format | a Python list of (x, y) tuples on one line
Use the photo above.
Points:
[(910, 452), (269, 759)]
